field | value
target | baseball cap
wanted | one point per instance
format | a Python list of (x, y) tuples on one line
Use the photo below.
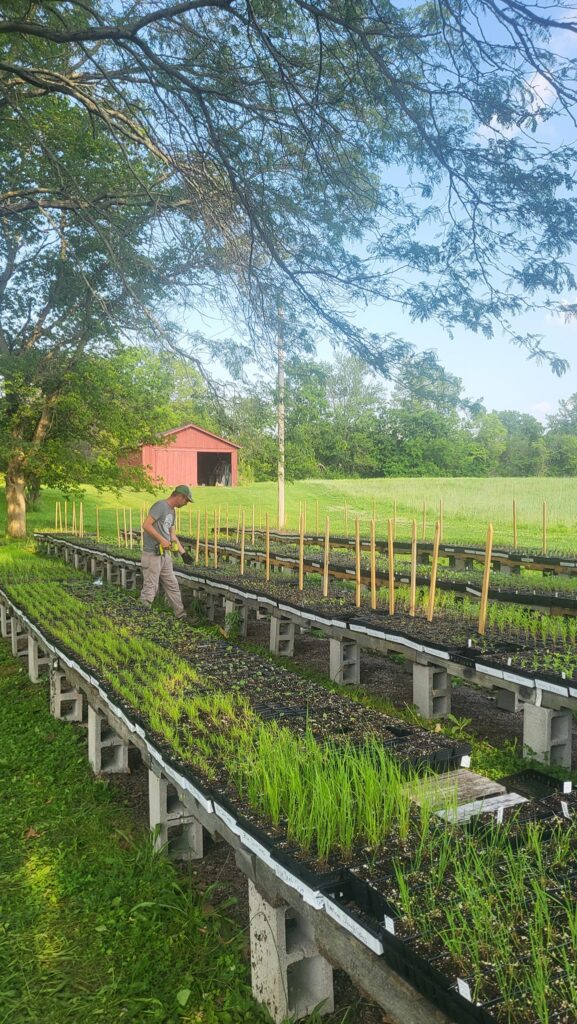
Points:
[(185, 490)]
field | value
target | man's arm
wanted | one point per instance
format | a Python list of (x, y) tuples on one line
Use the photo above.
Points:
[(149, 527)]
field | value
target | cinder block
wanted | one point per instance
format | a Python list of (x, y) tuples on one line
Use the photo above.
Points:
[(547, 735), (4, 621), (235, 617), (107, 752), (289, 975), (282, 636), (506, 700), (19, 638), (66, 703), (344, 662), (460, 563), (431, 690), (171, 815), (37, 658)]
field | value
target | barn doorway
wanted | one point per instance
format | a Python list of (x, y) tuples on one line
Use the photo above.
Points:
[(214, 469)]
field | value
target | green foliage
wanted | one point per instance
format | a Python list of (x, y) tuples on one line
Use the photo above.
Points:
[(95, 925)]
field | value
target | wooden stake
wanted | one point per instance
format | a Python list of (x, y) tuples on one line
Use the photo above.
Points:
[(73, 517), (413, 584), (305, 515), (242, 533), (301, 551), (434, 565), (215, 540), (317, 517), (357, 563), (424, 534), (486, 576), (238, 521), (514, 524), (346, 520), (197, 549), (125, 532), (373, 558), (544, 527), (66, 517), (326, 561), (391, 553), (56, 515), (130, 526), (117, 528), (97, 525), (252, 532), (206, 537), (267, 547)]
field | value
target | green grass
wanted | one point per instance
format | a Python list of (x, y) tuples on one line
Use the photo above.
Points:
[(95, 926), (469, 504)]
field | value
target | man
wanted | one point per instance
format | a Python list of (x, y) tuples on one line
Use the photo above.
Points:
[(159, 536)]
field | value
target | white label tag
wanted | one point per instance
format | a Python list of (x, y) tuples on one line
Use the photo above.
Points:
[(389, 924), (466, 761), (464, 990), (568, 786), (565, 809)]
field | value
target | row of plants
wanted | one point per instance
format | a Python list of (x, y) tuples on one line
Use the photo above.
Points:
[(515, 636), (395, 846), (531, 581), (411, 846)]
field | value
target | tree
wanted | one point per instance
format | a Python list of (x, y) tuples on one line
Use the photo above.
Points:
[(525, 451), (82, 421), (230, 151), (280, 123)]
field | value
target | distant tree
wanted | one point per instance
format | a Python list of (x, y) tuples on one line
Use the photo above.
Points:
[(561, 439), (525, 451)]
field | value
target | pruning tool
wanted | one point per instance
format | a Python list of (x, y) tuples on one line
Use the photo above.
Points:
[(186, 558)]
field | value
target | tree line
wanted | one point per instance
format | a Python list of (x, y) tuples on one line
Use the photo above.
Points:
[(342, 421)]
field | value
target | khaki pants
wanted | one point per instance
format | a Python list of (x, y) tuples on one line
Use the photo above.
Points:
[(157, 571)]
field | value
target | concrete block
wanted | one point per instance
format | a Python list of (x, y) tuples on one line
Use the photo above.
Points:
[(506, 700), (235, 617), (5, 626), (37, 659), (547, 735), (345, 662), (460, 563), (431, 690), (505, 569), (107, 752), (289, 975), (171, 815), (66, 703), (282, 636), (19, 639)]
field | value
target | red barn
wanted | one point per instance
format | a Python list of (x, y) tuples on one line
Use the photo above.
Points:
[(193, 456)]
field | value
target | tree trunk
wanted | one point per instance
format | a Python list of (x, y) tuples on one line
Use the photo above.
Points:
[(280, 419), (15, 500)]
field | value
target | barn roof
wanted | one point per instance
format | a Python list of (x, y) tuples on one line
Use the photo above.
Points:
[(201, 430)]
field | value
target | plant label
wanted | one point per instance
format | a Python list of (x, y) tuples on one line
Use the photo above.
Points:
[(463, 988)]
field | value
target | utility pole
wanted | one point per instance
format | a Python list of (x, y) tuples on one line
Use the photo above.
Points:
[(280, 386)]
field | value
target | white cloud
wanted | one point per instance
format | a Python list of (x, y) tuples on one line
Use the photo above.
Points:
[(541, 409)]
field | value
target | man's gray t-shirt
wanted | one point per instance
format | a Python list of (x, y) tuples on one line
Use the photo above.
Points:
[(164, 518)]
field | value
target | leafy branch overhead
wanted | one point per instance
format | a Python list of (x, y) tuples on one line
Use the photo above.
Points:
[(335, 151)]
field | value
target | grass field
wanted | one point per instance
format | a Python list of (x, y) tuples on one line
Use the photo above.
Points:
[(469, 504)]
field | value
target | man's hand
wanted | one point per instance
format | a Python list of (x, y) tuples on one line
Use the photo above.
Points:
[(164, 544)]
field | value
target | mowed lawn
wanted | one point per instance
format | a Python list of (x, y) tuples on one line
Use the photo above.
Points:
[(468, 505)]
